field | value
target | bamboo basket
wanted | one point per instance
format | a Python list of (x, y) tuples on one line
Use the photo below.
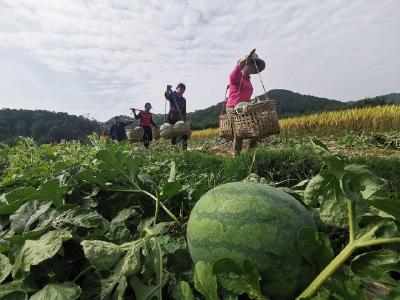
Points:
[(156, 133), (134, 135), (184, 130), (225, 126), (257, 120)]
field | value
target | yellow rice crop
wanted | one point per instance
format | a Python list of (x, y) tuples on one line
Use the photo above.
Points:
[(377, 119)]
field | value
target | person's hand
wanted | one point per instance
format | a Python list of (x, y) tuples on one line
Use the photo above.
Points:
[(250, 56)]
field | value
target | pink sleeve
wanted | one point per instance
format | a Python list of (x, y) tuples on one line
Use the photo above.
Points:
[(235, 75)]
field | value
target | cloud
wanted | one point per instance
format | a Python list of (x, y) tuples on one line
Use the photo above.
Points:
[(123, 53)]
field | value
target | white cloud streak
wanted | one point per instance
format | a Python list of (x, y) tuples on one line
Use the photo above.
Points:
[(115, 54)]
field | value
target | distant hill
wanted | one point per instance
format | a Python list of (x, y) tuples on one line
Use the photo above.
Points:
[(392, 98), (288, 104), (44, 126)]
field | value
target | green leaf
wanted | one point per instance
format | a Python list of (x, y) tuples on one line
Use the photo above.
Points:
[(131, 263), (15, 290), (230, 296), (378, 228), (58, 291), (143, 291), (387, 205), (333, 162), (27, 214), (171, 244), (119, 292), (83, 217), (146, 179), (171, 189), (108, 285), (102, 255), (107, 158), (30, 235), (16, 198), (205, 281), (375, 266), (182, 291), (315, 247), (5, 267), (244, 280), (53, 191), (359, 183), (347, 287), (324, 189), (34, 252), (133, 165), (117, 231)]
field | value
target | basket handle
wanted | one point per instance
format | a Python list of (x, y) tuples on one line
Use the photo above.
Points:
[(223, 105)]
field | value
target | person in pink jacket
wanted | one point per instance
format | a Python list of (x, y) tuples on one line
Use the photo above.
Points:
[(241, 89)]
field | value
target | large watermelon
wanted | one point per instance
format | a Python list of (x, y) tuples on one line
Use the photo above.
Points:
[(244, 220)]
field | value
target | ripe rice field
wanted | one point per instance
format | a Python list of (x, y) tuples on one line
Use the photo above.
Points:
[(369, 119)]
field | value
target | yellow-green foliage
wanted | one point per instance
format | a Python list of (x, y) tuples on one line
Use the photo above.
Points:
[(205, 133), (378, 118)]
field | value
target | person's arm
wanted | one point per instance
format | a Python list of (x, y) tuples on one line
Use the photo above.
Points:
[(154, 124), (168, 93), (111, 131), (184, 109), (137, 116), (236, 74)]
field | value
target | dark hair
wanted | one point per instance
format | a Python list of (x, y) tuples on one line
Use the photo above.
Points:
[(147, 104), (181, 85)]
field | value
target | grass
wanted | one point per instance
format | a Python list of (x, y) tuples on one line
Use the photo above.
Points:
[(287, 166)]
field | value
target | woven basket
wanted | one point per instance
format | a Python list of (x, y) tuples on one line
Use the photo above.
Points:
[(134, 135), (181, 131), (156, 133), (257, 120), (225, 127)]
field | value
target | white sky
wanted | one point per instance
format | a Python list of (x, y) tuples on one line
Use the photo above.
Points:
[(102, 57)]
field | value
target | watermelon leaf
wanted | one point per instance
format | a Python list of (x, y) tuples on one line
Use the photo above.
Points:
[(375, 266), (182, 291), (205, 281), (58, 291), (315, 247), (5, 267), (34, 252), (245, 280), (333, 162)]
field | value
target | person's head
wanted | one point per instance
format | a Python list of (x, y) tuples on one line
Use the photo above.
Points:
[(116, 119), (254, 66), (147, 107), (250, 68), (180, 88)]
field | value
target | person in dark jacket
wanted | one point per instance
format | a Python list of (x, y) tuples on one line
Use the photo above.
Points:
[(146, 120), (117, 130), (177, 109)]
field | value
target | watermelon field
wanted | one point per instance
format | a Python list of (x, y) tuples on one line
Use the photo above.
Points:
[(299, 218)]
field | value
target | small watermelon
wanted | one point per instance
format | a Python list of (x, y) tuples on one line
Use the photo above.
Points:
[(245, 220), (242, 105), (139, 129), (165, 130)]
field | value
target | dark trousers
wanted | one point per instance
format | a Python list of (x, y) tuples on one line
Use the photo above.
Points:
[(183, 139), (147, 135)]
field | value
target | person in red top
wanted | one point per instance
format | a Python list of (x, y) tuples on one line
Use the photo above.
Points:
[(146, 120), (241, 89)]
